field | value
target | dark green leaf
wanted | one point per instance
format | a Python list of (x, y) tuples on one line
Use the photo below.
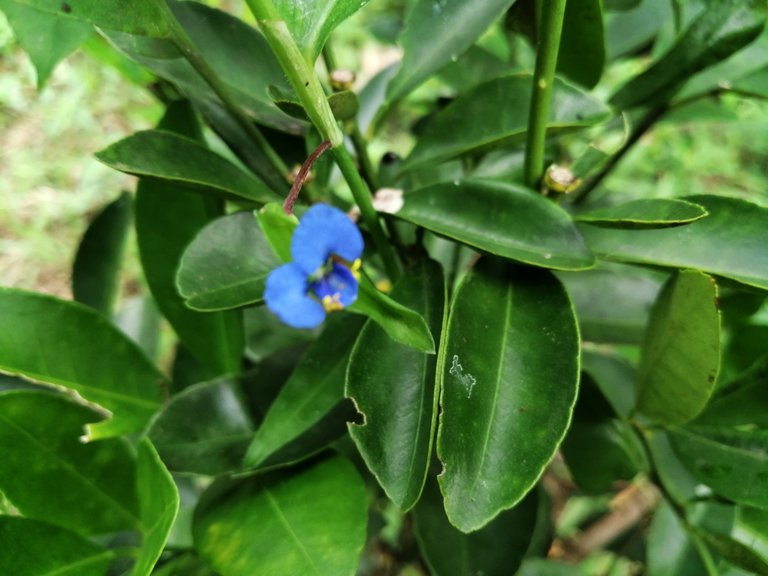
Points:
[(168, 218), (205, 429), (542, 567), (736, 553), (734, 463), (393, 387), (677, 480), (719, 31), (402, 324), (680, 357), (96, 271), (183, 161), (46, 37), (312, 522), (496, 550), (582, 46), (648, 211), (159, 504), (266, 334), (226, 265), (450, 26), (33, 548), (50, 474), (615, 377), (729, 242), (510, 371), (503, 219), (132, 16), (741, 401), (631, 30), (316, 385), (67, 344), (670, 551), (495, 114)]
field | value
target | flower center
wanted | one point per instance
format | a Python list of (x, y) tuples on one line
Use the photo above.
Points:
[(335, 283)]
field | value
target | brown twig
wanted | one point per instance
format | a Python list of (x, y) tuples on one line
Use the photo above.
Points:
[(302, 176)]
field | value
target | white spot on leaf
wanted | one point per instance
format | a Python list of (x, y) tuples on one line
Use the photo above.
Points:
[(465, 379)]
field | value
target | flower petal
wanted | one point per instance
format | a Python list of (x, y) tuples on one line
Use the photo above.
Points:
[(322, 232), (286, 294), (339, 284)]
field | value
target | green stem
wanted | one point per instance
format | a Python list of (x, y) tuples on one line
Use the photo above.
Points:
[(543, 79), (361, 151), (184, 43)]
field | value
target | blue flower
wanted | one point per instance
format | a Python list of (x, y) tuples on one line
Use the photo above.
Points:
[(326, 248)]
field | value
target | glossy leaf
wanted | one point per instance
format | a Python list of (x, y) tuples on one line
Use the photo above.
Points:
[(496, 550), (613, 301), (226, 265), (50, 474), (738, 554), (70, 345), (503, 219), (40, 548), (133, 16), (312, 21), (451, 26), (316, 385), (731, 462), (277, 228), (729, 242), (183, 161), (670, 550), (205, 429), (311, 522), (510, 371), (582, 46), (680, 357), (647, 211), (719, 31), (495, 114), (159, 504), (402, 324), (740, 402), (96, 270), (168, 217), (45, 37), (393, 386)]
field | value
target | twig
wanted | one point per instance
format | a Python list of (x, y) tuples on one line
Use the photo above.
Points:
[(302, 176)]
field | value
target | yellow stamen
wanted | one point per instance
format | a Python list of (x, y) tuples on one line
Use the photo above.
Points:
[(355, 268), (331, 303)]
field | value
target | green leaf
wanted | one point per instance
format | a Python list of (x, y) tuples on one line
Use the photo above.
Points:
[(47, 38), (680, 357), (265, 334), (496, 550), (451, 26), (542, 567), (49, 474), (168, 218), (636, 28), (582, 47), (719, 31), (67, 344), (741, 401), (755, 84), (615, 377), (393, 386), (503, 219), (205, 429), (314, 388), (96, 270), (729, 242), (731, 462), (620, 313), (183, 161), (402, 324), (133, 16), (647, 211), (312, 21), (510, 372), (226, 265), (311, 522), (277, 227), (43, 549), (670, 551), (738, 554), (159, 503), (495, 114)]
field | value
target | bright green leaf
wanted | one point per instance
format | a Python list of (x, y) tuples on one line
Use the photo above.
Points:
[(647, 211), (67, 344), (495, 114), (311, 522), (50, 474), (277, 227), (510, 372), (43, 549), (680, 357), (503, 219), (393, 386), (729, 242), (96, 270), (159, 504)]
